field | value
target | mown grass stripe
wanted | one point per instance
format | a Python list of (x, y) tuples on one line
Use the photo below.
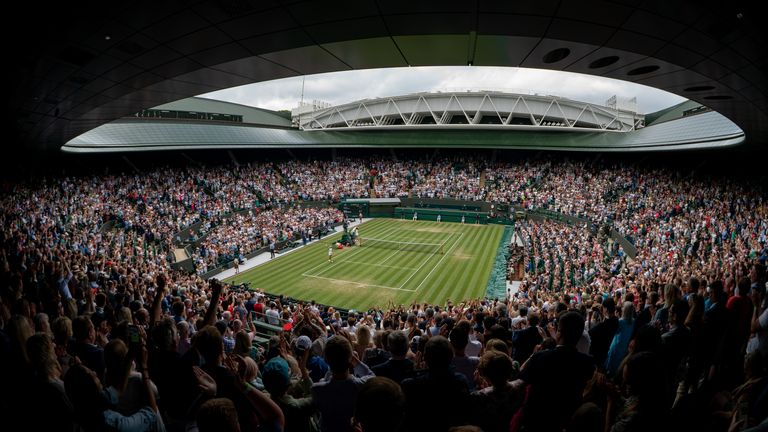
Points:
[(463, 274)]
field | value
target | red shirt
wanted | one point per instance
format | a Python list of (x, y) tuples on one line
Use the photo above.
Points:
[(741, 308)]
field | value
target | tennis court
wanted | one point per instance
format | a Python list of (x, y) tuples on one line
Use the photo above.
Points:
[(392, 260), (399, 261)]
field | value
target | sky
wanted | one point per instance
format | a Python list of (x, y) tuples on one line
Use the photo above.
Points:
[(348, 86)]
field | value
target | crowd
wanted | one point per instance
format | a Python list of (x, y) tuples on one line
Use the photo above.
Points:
[(562, 257), (97, 333), (249, 231)]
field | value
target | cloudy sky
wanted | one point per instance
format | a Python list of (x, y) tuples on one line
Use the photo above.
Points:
[(341, 87)]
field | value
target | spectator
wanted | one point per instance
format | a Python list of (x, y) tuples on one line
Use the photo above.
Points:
[(299, 413), (460, 362), (602, 334), (437, 390), (398, 367), (621, 338), (218, 415), (493, 406), (380, 404), (335, 397), (556, 379)]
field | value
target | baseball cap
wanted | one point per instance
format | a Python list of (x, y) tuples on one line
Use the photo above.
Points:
[(276, 373), (303, 343)]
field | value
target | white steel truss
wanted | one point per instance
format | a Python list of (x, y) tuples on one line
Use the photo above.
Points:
[(485, 110)]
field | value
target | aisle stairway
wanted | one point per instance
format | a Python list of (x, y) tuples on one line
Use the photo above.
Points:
[(180, 254)]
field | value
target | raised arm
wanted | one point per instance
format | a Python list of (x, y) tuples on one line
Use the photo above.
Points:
[(210, 314), (156, 302)]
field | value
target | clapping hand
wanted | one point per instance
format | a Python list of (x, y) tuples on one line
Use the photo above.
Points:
[(205, 383)]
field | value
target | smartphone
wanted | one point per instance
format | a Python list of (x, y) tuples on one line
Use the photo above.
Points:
[(134, 339)]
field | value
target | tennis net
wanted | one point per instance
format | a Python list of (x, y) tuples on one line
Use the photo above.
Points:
[(404, 246)]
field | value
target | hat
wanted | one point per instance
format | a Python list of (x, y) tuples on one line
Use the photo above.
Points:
[(318, 347), (276, 372), (416, 340), (303, 343), (287, 326)]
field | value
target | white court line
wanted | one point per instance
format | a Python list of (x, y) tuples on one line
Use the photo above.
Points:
[(355, 283), (423, 264), (324, 261), (380, 265), (390, 256), (438, 263), (346, 257)]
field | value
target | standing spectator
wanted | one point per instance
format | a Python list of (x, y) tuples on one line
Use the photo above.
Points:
[(675, 344), (461, 363), (556, 379), (493, 407), (46, 388), (379, 406), (85, 348), (621, 338), (299, 413), (273, 315), (335, 397), (398, 367), (438, 390), (602, 333), (525, 340), (253, 406), (646, 408)]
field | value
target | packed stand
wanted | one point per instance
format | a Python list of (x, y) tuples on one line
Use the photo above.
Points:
[(97, 332), (249, 231)]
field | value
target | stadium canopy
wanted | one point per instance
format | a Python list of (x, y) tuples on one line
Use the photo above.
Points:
[(77, 66), (685, 126)]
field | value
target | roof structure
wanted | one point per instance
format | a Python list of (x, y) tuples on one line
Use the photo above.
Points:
[(78, 65), (706, 130), (471, 110)]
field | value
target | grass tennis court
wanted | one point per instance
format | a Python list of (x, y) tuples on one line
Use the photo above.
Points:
[(438, 261)]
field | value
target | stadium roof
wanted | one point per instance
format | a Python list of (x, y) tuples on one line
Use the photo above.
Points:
[(250, 115), (706, 130), (76, 66), (472, 110)]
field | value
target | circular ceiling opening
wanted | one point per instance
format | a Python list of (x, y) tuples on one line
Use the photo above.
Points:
[(699, 88), (718, 97), (643, 70), (556, 55), (603, 62)]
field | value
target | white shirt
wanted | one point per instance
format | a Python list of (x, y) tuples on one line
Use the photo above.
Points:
[(473, 347), (273, 316)]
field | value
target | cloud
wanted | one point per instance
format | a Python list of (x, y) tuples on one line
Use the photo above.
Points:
[(348, 86)]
